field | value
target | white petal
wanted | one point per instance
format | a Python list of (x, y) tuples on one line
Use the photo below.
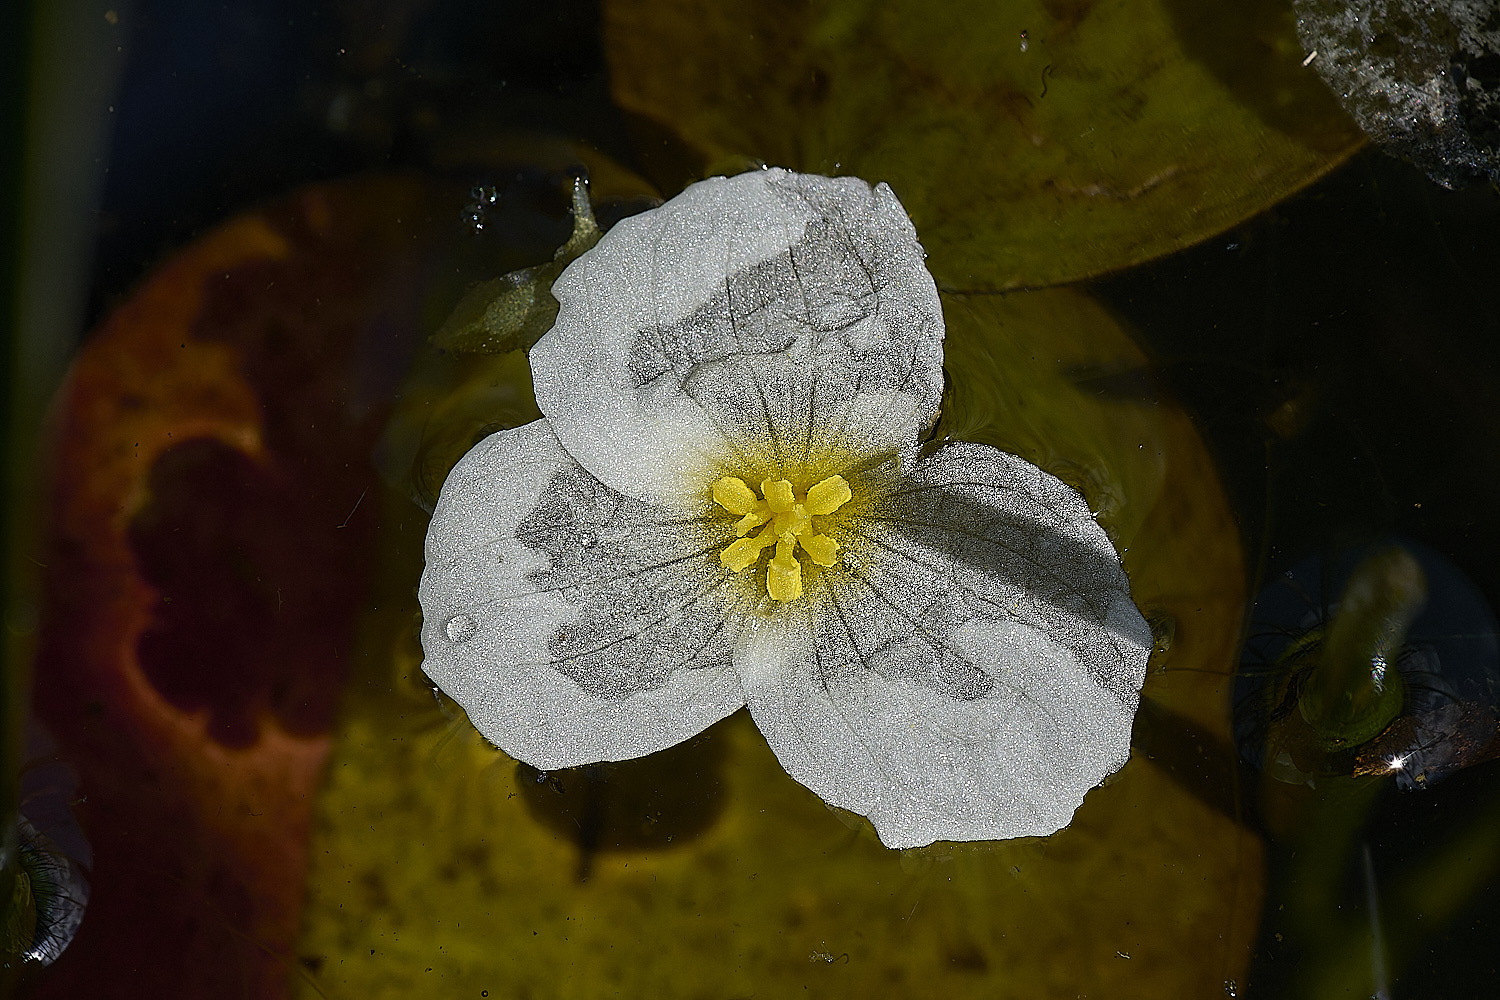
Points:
[(972, 670), (766, 286), (572, 623)]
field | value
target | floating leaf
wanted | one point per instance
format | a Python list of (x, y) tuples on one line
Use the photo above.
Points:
[(448, 404), (441, 865), (1034, 143)]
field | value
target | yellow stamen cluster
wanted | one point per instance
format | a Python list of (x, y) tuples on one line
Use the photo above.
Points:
[(788, 524)]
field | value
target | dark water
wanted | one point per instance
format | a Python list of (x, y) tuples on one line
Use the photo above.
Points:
[(1338, 355), (1370, 301)]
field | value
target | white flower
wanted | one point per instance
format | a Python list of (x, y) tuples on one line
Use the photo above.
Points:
[(725, 506)]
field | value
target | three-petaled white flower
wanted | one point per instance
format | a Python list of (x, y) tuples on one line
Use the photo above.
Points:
[(727, 504)]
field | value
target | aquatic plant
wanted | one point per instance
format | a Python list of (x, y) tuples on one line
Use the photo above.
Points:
[(943, 639)]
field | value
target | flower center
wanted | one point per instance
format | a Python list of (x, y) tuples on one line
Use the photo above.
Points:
[(788, 524)]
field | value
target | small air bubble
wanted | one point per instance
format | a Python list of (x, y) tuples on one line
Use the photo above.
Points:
[(482, 198), (461, 628)]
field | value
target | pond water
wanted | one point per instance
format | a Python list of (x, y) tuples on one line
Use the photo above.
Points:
[(1173, 274)]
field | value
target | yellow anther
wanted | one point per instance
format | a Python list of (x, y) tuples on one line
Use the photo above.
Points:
[(750, 521), (827, 496), (734, 496), (820, 549), (744, 551), (784, 575), (778, 494), (788, 524)]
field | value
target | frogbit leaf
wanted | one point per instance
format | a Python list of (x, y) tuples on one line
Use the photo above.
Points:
[(1035, 142)]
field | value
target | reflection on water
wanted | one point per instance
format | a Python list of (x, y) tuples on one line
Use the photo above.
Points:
[(275, 803), (1419, 644), (51, 895), (50, 858), (1424, 639)]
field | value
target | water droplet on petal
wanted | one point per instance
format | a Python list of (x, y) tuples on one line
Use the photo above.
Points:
[(461, 628)]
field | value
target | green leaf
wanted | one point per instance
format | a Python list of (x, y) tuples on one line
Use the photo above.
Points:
[(1034, 142)]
